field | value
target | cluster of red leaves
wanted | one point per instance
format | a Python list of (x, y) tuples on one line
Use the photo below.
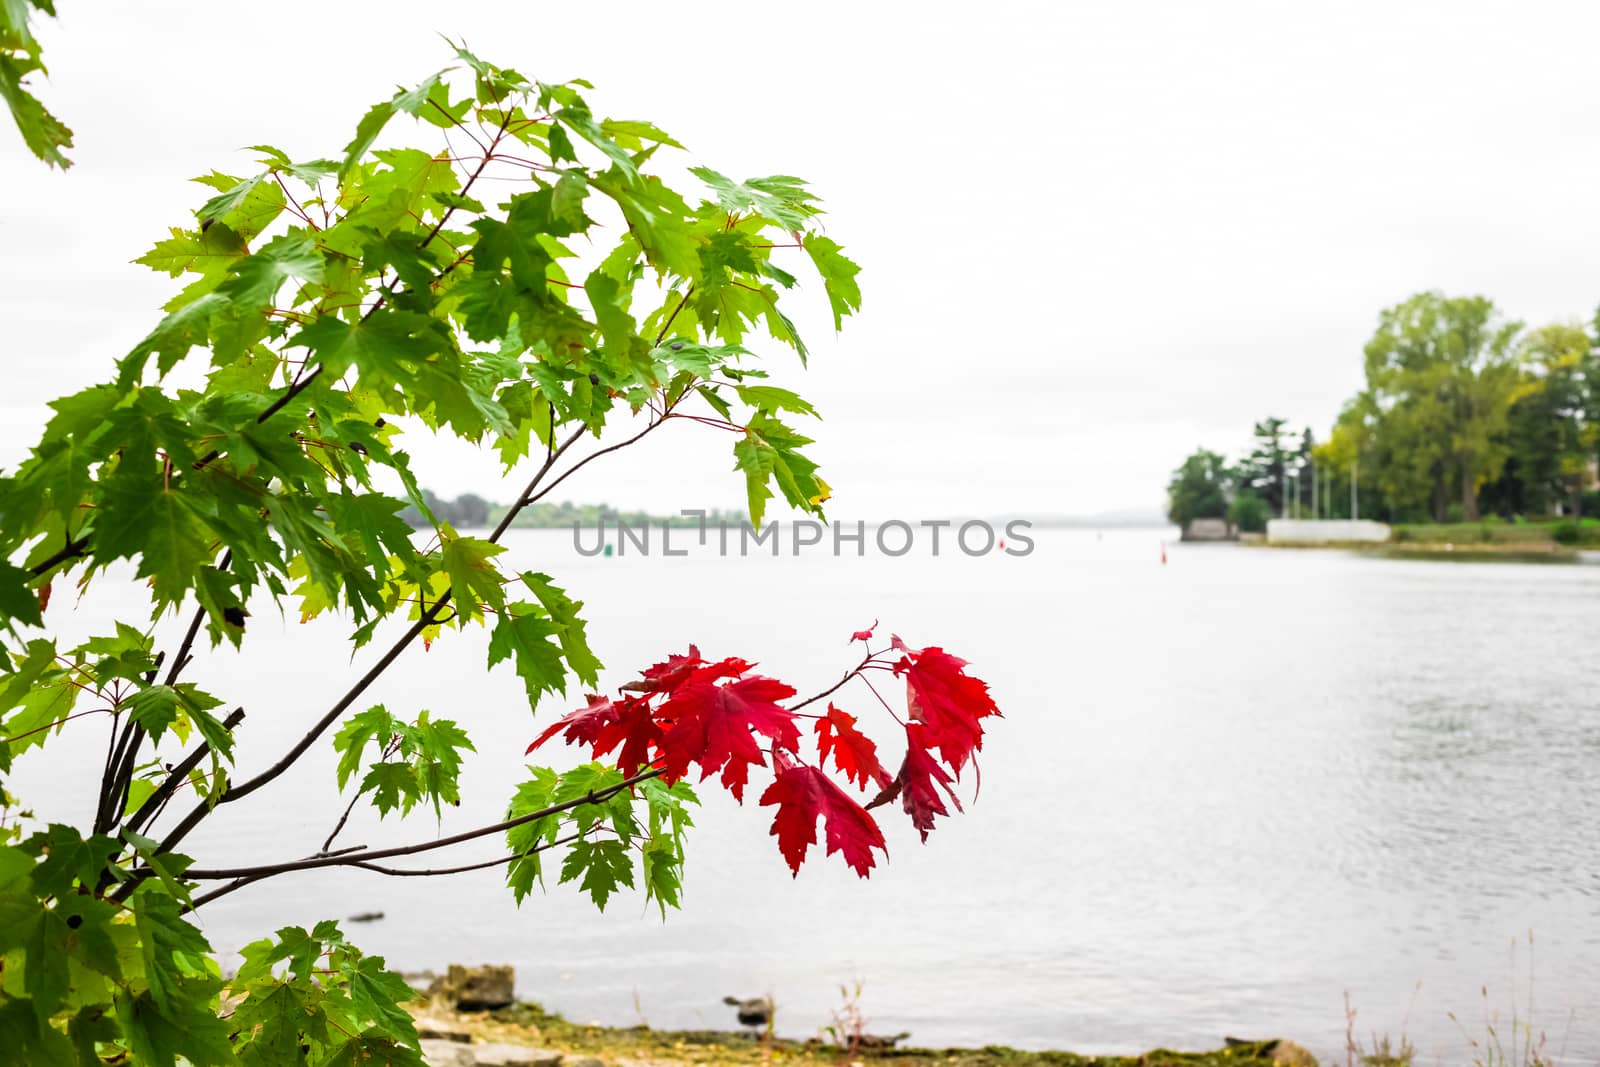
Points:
[(689, 712)]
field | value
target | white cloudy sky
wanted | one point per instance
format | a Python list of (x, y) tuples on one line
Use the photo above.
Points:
[(1094, 234)]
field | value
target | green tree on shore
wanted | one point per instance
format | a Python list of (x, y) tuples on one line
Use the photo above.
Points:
[(1546, 432), (1248, 512), (1199, 488), (1264, 469), (1441, 375)]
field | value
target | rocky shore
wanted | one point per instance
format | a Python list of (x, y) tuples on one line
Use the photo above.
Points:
[(470, 1018)]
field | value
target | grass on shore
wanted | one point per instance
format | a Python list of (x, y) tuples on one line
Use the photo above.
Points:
[(531, 1024), (1544, 533)]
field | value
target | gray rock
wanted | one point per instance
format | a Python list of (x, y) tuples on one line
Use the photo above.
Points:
[(437, 1053), (440, 1029), (501, 1054), (1292, 1055), (476, 988)]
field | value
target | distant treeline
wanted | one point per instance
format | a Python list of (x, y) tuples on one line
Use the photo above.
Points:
[(471, 510), (1464, 414)]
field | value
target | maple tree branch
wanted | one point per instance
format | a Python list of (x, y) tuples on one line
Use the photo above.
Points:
[(71, 550), (854, 672), (295, 389), (179, 772), (665, 326), (575, 468), (301, 382), (363, 856), (114, 793), (498, 861), (328, 842), (111, 742), (393, 872)]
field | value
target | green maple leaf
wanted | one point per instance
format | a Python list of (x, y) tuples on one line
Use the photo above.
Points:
[(141, 517), (392, 785), (582, 123), (183, 328), (563, 610), (474, 581), (18, 601), (533, 795), (522, 634), (771, 398), (373, 1048), (627, 355), (838, 276), (655, 216), (602, 866), (309, 172), (278, 1017), (155, 708), (769, 452), (293, 944), (27, 1043), (661, 857), (47, 974), (374, 518), (409, 101), (46, 704), (208, 251), (781, 198), (245, 206), (172, 947), (258, 277), (43, 133), (662, 866), (595, 778), (630, 133), (189, 1027), (57, 479), (756, 458), (435, 746), (377, 996), (386, 348), (66, 859)]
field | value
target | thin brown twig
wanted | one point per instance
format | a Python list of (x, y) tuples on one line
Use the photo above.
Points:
[(595, 796)]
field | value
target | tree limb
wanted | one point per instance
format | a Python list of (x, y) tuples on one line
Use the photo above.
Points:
[(206, 874)]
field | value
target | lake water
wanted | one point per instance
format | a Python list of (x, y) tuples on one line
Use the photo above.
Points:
[(1227, 792)]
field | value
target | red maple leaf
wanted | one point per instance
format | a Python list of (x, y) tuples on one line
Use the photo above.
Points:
[(949, 702), (715, 726), (605, 724), (853, 752), (667, 675), (803, 794), (865, 635), (918, 783)]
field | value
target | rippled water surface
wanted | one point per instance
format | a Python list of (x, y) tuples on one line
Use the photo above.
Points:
[(1226, 792)]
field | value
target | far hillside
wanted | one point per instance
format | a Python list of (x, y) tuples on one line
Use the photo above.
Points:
[(469, 511)]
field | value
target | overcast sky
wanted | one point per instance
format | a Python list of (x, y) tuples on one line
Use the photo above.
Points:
[(1093, 235)]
